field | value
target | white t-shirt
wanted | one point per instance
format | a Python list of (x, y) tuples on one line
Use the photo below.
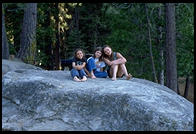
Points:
[(99, 65)]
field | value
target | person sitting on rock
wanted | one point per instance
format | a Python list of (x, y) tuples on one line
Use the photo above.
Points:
[(116, 63), (95, 65), (78, 64)]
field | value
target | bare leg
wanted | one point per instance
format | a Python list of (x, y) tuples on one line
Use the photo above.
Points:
[(120, 71), (124, 71), (114, 71), (92, 75)]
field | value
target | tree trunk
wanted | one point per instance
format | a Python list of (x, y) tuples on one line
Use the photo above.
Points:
[(5, 46), (187, 87), (48, 50), (171, 67), (57, 45), (28, 35), (161, 53), (150, 46), (178, 90)]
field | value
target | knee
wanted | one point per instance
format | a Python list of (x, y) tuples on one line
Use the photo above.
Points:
[(73, 70), (121, 65), (114, 65)]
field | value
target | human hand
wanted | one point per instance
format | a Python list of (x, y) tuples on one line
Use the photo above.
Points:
[(112, 63), (78, 67), (98, 65)]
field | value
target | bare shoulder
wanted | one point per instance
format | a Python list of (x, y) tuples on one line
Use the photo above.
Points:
[(119, 55)]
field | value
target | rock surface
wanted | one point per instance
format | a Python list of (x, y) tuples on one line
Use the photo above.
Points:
[(50, 100), (8, 65)]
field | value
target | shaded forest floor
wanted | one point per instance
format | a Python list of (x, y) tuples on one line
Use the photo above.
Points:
[(182, 83)]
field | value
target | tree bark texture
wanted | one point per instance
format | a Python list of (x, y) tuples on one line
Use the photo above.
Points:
[(28, 35), (171, 67), (186, 87), (150, 46), (48, 50), (161, 52), (57, 46), (5, 46)]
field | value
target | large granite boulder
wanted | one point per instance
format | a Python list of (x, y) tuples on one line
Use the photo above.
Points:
[(50, 100), (8, 65)]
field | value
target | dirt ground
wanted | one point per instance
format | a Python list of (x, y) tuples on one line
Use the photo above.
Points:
[(182, 83)]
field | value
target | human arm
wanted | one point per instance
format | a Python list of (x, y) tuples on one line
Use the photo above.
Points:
[(108, 62), (81, 66), (87, 72), (75, 66), (78, 67), (120, 59)]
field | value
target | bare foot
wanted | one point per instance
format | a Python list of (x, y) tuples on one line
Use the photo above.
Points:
[(129, 76), (113, 78), (93, 76), (84, 78), (76, 79)]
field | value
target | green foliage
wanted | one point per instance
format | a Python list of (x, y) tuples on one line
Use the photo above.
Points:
[(12, 49), (75, 41), (13, 22), (91, 25), (123, 26), (42, 59), (185, 39), (128, 36)]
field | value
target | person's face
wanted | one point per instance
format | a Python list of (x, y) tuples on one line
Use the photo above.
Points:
[(107, 51), (98, 54), (79, 55)]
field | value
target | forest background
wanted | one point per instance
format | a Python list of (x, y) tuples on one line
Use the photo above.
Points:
[(44, 33)]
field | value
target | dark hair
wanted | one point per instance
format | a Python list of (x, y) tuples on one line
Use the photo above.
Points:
[(106, 56), (98, 49), (79, 49)]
